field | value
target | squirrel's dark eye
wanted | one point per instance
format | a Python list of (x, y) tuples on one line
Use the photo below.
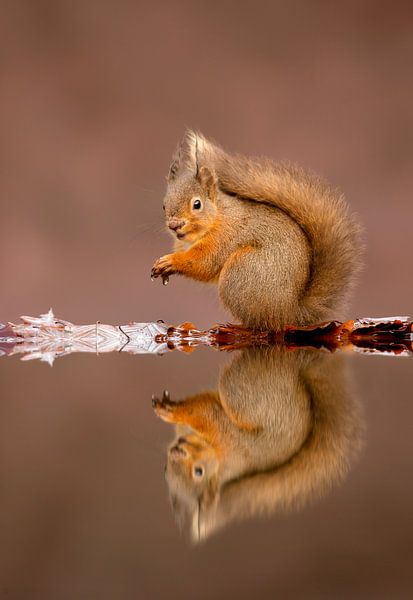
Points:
[(197, 204), (198, 471), (163, 207)]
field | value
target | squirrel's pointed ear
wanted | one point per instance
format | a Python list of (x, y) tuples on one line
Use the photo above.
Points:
[(208, 181)]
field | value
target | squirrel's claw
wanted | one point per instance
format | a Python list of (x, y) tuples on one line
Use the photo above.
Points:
[(164, 402), (164, 407), (163, 267)]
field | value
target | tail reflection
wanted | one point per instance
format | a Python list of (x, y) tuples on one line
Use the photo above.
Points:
[(281, 429)]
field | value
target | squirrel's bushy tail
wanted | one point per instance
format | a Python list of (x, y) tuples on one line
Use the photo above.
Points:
[(334, 234)]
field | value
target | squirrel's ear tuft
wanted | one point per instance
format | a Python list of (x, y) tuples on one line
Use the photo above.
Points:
[(196, 149), (208, 182), (189, 147)]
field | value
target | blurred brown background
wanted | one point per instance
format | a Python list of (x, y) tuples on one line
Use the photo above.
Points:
[(94, 95), (93, 98)]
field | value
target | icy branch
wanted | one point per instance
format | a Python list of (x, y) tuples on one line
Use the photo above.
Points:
[(46, 337)]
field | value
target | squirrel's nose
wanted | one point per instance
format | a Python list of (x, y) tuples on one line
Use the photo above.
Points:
[(175, 224)]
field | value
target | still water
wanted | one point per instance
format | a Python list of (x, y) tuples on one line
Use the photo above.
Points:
[(266, 472)]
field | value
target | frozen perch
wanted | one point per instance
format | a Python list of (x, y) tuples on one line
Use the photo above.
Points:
[(47, 337)]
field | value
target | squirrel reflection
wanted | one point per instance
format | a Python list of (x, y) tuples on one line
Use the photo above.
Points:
[(281, 429)]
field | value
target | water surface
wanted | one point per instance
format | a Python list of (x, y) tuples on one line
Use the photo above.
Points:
[(306, 488)]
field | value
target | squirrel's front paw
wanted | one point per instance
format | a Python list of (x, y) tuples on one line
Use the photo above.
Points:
[(163, 268), (164, 407)]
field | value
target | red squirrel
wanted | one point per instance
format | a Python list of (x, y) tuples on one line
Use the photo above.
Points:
[(280, 243)]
